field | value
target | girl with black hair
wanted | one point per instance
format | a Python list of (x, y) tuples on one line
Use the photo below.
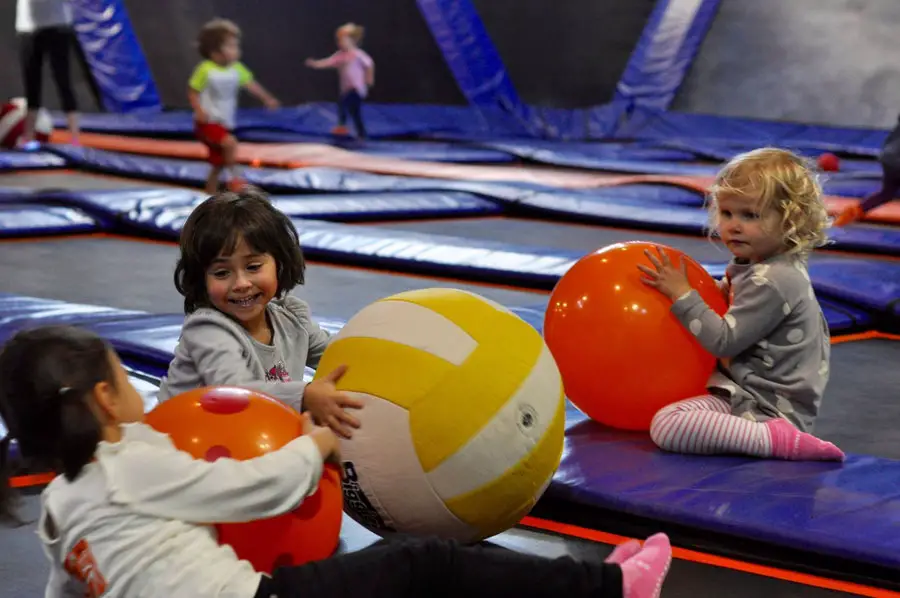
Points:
[(240, 259)]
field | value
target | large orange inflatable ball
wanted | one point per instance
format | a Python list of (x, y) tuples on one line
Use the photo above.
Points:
[(622, 354), (218, 422)]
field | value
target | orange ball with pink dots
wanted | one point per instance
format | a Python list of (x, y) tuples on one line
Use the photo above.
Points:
[(235, 423)]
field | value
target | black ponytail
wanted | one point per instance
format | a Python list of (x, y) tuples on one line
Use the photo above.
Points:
[(47, 375)]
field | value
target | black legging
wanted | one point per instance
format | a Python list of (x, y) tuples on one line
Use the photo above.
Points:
[(57, 42), (430, 568), (350, 104)]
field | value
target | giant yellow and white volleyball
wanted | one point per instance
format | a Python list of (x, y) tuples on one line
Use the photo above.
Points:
[(464, 414)]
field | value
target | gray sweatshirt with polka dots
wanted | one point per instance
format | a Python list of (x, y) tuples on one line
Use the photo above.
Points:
[(773, 344)]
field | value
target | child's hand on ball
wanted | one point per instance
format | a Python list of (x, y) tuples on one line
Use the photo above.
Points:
[(665, 277), (327, 404), (326, 441)]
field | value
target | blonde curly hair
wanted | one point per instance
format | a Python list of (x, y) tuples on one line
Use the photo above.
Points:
[(783, 181)]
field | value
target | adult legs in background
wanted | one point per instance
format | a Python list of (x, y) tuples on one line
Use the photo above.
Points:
[(439, 569), (705, 426), (59, 45), (31, 59)]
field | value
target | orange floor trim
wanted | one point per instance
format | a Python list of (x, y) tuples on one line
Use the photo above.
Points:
[(714, 561)]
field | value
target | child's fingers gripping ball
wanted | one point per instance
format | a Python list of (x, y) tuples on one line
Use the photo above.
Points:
[(666, 277), (328, 405)]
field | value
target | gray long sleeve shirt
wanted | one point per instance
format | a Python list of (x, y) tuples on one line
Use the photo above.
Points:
[(773, 344), (214, 350)]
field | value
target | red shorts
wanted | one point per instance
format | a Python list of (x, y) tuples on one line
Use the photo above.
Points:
[(212, 135)]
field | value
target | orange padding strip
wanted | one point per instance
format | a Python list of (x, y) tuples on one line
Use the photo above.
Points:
[(26, 481), (865, 336), (714, 561)]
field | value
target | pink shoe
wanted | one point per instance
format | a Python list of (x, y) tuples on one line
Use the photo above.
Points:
[(793, 445), (623, 552), (644, 573)]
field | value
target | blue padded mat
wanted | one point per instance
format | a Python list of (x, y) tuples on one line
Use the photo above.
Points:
[(18, 312), (19, 220), (319, 118), (613, 157), (849, 510), (19, 160), (746, 133), (142, 205), (852, 187), (870, 284)]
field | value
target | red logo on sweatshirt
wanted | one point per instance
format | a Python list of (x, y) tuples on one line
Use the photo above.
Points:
[(278, 373), (81, 565)]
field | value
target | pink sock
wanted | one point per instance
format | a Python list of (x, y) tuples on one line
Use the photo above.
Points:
[(623, 552), (644, 573), (790, 443)]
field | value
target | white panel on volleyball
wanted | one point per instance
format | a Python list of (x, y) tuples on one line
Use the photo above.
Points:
[(411, 324), (504, 441), (390, 473)]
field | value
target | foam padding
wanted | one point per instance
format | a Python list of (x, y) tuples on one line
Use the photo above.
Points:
[(616, 158), (22, 220), (849, 510), (141, 206), (844, 318), (18, 312), (382, 121), (870, 284), (19, 160)]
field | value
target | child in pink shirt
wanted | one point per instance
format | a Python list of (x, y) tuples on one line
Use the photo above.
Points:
[(356, 74)]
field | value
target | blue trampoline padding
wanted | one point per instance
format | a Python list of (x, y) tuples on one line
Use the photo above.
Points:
[(843, 318), (382, 120), (746, 133), (870, 284), (18, 312), (849, 510), (852, 187), (20, 160), (354, 207), (600, 156), (143, 207), (649, 192), (17, 220)]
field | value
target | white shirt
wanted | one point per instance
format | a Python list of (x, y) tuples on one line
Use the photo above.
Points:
[(137, 522), (32, 15)]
